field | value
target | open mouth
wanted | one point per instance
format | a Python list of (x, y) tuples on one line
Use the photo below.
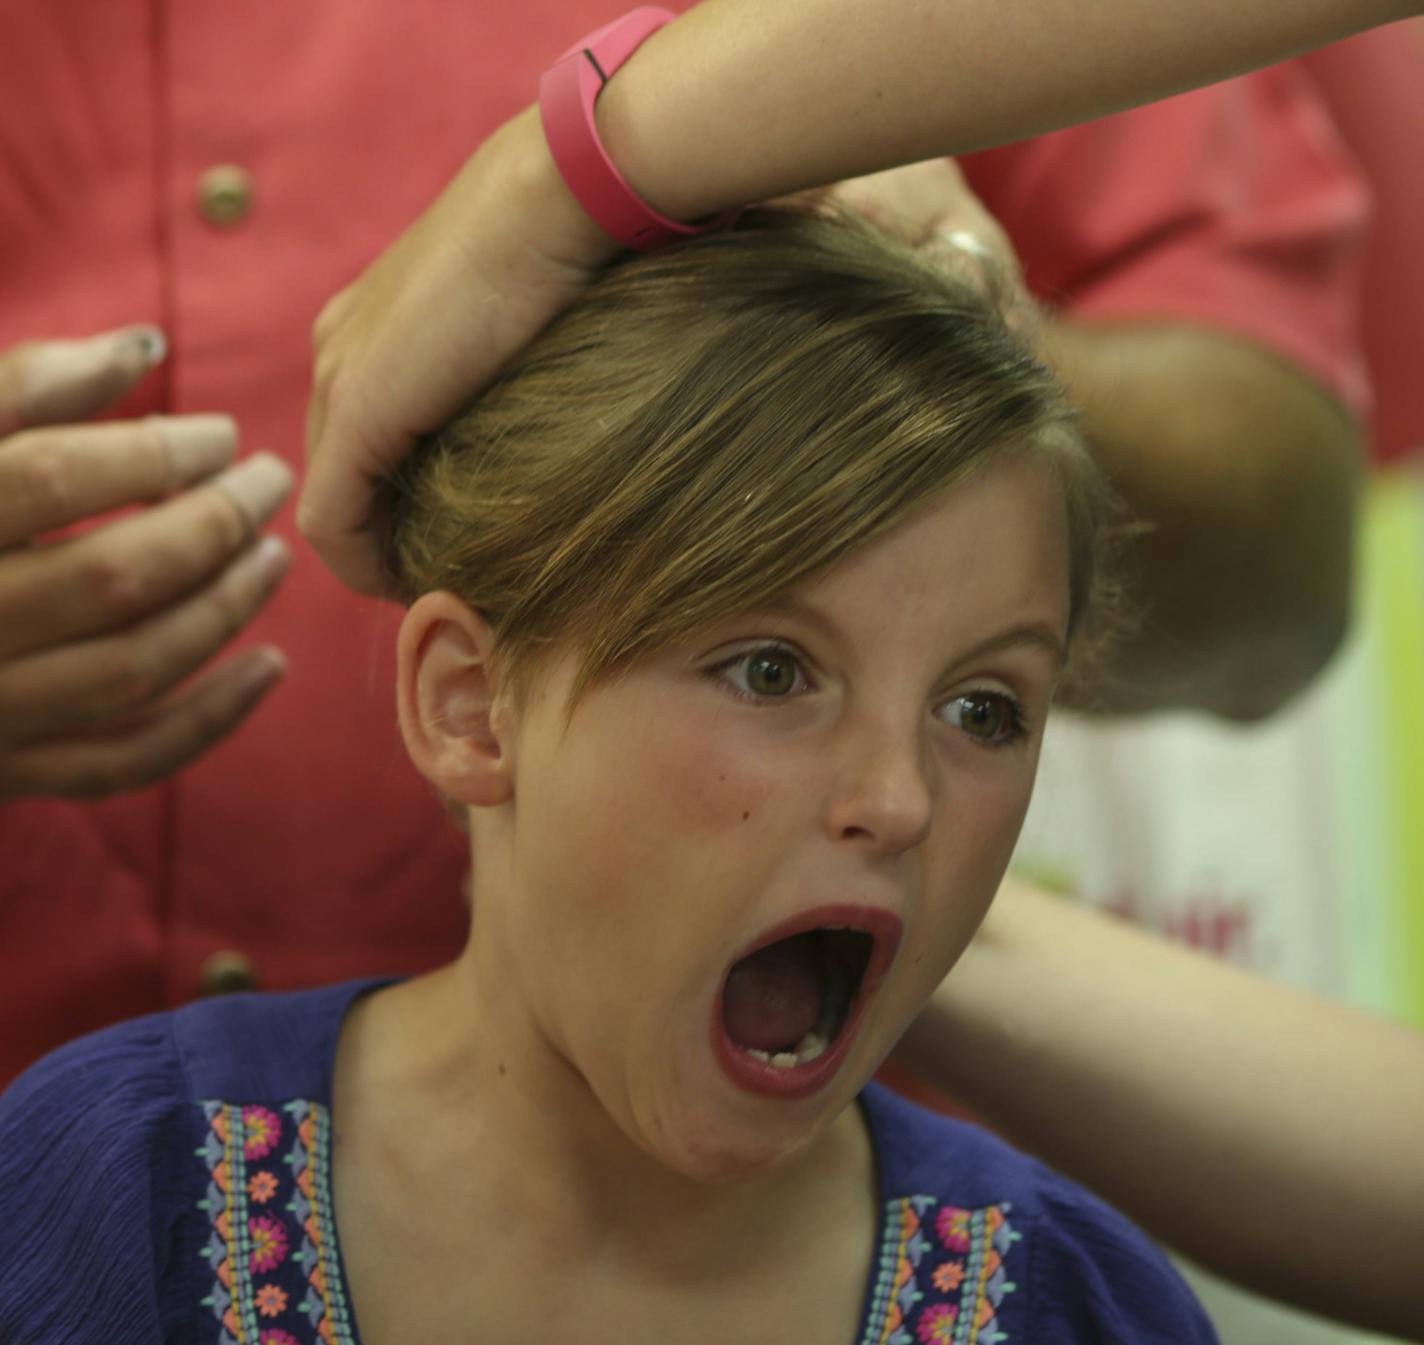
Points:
[(786, 1003), (789, 1008)]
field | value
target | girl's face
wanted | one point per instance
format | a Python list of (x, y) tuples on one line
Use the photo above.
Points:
[(741, 869)]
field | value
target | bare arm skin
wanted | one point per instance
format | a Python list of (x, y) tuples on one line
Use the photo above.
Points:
[(1249, 474), (1244, 468), (755, 100), (737, 101), (1255, 1128)]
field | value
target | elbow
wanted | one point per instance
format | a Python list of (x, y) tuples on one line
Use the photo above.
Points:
[(1282, 662), (1301, 619), (1298, 603)]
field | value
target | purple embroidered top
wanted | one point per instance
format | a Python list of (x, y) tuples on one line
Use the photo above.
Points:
[(169, 1180)]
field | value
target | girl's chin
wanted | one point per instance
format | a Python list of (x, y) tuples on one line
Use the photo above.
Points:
[(720, 1159), (726, 1141)]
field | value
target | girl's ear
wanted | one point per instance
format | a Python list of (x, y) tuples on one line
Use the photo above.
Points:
[(446, 694)]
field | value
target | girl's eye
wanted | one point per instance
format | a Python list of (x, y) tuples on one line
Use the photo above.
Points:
[(986, 715), (769, 673)]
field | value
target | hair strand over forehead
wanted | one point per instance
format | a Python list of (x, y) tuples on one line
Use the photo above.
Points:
[(716, 422)]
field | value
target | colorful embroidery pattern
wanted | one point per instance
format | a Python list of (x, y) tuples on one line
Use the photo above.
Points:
[(272, 1240), (277, 1280), (941, 1275)]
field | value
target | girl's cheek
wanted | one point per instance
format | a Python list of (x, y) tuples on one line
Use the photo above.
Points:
[(723, 784)]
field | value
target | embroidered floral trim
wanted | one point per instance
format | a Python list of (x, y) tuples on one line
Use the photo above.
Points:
[(272, 1241), (941, 1275), (277, 1279)]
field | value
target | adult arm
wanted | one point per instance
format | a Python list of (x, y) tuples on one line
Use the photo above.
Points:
[(1244, 467), (1248, 473), (735, 102), (753, 101), (1258, 1129)]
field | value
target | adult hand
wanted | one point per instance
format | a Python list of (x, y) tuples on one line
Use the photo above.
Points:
[(98, 628), (931, 205), (502, 250)]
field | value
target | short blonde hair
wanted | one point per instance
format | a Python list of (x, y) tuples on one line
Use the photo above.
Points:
[(711, 424)]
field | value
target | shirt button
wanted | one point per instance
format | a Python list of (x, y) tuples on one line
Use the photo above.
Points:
[(225, 195), (226, 973)]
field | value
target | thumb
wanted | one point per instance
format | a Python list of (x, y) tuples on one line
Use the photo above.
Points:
[(47, 382)]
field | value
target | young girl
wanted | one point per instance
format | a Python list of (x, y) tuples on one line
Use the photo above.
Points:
[(737, 606)]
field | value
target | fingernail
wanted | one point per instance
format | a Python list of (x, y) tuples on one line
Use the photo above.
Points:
[(59, 367), (263, 670), (257, 486), (197, 445), (271, 559), (967, 242), (148, 342), (135, 349)]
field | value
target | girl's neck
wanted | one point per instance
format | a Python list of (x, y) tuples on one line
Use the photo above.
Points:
[(469, 1103)]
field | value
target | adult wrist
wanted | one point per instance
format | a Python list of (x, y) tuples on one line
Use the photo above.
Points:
[(628, 138), (566, 231), (569, 93), (651, 151)]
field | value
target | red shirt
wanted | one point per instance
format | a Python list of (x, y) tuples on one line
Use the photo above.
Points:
[(306, 841), (1374, 87), (1236, 207)]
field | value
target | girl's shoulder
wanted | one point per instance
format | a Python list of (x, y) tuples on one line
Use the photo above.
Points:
[(105, 1147), (975, 1229), (78, 1135)]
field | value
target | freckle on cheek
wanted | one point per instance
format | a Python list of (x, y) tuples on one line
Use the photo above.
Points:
[(745, 816)]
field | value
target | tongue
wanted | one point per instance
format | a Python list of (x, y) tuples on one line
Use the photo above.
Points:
[(773, 997)]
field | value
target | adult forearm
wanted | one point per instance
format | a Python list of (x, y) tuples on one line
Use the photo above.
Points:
[(737, 101), (1256, 1129), (1247, 475), (750, 100)]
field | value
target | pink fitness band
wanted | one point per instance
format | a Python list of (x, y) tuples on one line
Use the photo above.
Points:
[(567, 93)]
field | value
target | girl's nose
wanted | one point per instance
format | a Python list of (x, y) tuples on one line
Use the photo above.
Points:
[(884, 798)]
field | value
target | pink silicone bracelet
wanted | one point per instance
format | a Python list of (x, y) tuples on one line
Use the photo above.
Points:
[(567, 93)]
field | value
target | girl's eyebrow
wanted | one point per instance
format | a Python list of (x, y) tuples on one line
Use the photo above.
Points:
[(1034, 633)]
